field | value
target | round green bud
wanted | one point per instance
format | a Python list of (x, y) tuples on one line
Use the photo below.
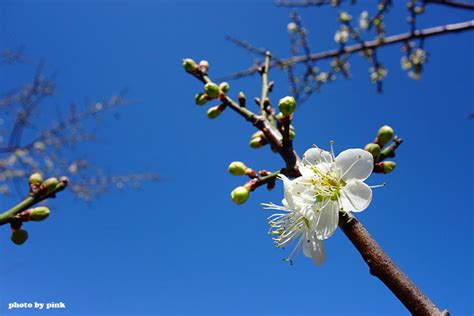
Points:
[(237, 168), (287, 105), (240, 194), (389, 166), (50, 184), (256, 142), (35, 178), (201, 98), (38, 214), (374, 149), (214, 112), (19, 236), (212, 90), (189, 65), (224, 86), (384, 135)]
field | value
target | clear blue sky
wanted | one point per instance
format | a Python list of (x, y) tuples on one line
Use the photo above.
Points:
[(179, 246)]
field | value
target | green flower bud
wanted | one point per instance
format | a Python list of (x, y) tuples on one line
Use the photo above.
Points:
[(257, 142), (201, 98), (212, 90), (189, 65), (287, 105), (35, 179), (19, 236), (38, 214), (374, 149), (388, 166), (240, 194), (237, 168), (50, 184), (214, 112), (224, 86), (384, 135)]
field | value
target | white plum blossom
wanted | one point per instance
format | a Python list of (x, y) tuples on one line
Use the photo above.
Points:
[(335, 184), (296, 222), (327, 185)]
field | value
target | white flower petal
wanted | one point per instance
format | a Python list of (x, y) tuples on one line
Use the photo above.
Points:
[(314, 249), (355, 196), (305, 171), (355, 164), (328, 218), (287, 187), (314, 156)]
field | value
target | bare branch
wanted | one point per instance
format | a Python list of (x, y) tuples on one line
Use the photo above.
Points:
[(376, 43)]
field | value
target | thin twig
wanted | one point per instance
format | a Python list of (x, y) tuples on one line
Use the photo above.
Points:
[(390, 40)]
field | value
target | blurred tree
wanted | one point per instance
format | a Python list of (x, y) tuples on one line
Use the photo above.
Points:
[(38, 138), (305, 70)]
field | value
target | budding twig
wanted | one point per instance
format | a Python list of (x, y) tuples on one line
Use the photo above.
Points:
[(31, 200), (390, 40)]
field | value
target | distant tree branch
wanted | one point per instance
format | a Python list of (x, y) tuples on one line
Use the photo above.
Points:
[(318, 3), (376, 43)]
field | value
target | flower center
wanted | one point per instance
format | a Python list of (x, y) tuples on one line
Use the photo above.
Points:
[(327, 185)]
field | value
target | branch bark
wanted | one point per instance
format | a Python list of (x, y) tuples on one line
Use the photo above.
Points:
[(383, 268), (390, 40)]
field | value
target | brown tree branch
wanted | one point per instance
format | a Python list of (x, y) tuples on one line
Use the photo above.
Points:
[(453, 4), (390, 40), (383, 268)]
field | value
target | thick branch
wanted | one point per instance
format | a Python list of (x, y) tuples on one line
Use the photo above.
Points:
[(453, 4), (390, 40), (382, 267)]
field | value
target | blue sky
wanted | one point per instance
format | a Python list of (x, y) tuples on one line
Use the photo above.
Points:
[(179, 246)]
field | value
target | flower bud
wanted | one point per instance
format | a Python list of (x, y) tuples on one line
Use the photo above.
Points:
[(19, 236), (224, 86), (189, 65), (212, 90), (35, 179), (388, 166), (237, 168), (374, 149), (38, 214), (292, 27), (287, 105), (240, 194), (257, 142), (49, 185), (204, 66), (257, 134), (384, 135), (201, 98), (214, 112), (344, 17)]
